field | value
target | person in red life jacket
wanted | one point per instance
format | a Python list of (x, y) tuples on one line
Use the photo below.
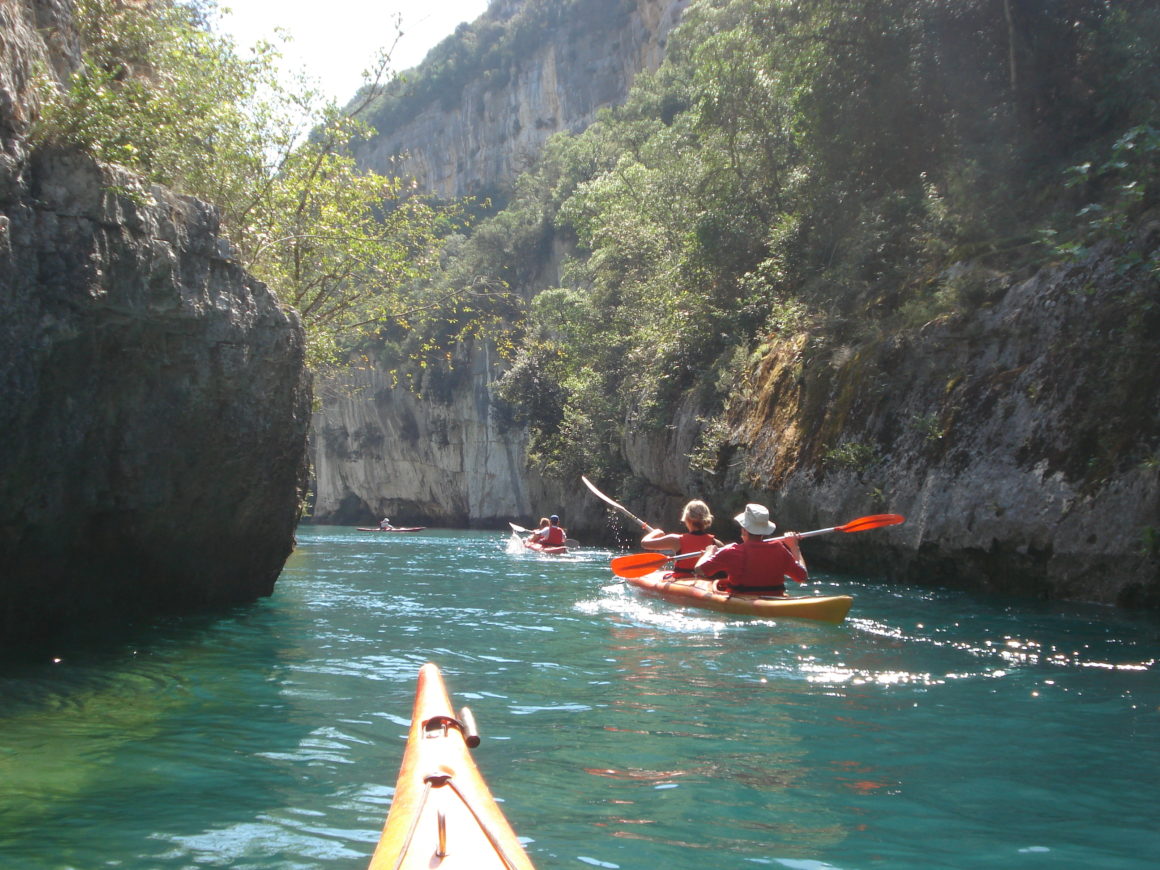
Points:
[(549, 534), (556, 536), (755, 565), (697, 518)]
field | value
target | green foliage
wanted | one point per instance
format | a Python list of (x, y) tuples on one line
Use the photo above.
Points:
[(160, 93), (1121, 189), (851, 455), (798, 167), (929, 426)]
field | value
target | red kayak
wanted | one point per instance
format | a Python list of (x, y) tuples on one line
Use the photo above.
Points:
[(377, 529), (543, 548)]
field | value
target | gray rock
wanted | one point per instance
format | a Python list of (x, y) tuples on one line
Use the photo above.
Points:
[(155, 401)]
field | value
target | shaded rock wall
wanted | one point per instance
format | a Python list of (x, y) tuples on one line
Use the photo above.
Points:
[(155, 401), (1021, 441)]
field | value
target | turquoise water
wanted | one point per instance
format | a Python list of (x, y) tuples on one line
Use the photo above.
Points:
[(932, 729)]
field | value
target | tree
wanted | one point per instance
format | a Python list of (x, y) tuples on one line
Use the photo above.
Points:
[(160, 93)]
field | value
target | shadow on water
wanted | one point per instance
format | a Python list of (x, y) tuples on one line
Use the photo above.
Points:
[(131, 731)]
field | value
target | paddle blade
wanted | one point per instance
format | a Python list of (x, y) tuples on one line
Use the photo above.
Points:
[(874, 521), (638, 564)]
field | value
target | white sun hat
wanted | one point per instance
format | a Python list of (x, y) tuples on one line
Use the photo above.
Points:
[(755, 520)]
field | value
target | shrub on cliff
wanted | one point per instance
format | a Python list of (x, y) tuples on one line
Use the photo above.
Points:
[(160, 93)]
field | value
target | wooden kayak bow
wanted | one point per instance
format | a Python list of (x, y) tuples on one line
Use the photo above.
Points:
[(639, 564), (443, 814), (588, 483)]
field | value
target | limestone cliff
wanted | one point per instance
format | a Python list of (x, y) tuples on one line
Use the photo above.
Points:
[(417, 458), (153, 428), (376, 449), (477, 141)]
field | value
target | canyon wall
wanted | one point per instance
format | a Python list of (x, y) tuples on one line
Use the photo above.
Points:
[(499, 121), (1021, 440), (376, 449), (436, 457), (156, 402)]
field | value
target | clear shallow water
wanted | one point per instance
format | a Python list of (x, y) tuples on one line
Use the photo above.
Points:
[(932, 729)]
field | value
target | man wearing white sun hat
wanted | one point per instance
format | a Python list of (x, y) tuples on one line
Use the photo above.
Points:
[(755, 565)]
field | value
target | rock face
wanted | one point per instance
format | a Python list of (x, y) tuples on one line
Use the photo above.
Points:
[(1021, 441), (156, 404), (502, 118), (380, 451), (376, 450)]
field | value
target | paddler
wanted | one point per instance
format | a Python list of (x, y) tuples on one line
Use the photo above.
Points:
[(697, 518), (537, 536), (755, 565), (549, 534)]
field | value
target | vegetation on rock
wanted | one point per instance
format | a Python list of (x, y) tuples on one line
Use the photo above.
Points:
[(159, 92), (849, 171)]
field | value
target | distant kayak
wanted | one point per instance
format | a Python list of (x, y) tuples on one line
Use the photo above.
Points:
[(442, 814), (695, 592), (377, 529)]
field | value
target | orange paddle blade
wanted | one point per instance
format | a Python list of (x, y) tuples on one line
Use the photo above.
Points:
[(874, 521), (638, 564)]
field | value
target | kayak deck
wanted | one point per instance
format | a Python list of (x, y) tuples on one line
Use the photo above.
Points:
[(697, 592), (443, 814)]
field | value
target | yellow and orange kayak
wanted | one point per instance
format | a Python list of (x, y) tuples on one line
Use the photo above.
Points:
[(443, 816), (694, 592)]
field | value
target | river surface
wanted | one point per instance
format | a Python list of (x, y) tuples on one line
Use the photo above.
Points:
[(931, 729)]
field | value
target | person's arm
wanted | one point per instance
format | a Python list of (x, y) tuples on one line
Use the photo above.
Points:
[(656, 539), (704, 567), (801, 574)]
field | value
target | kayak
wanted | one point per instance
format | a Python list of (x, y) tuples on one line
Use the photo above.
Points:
[(377, 529), (697, 592), (442, 814), (559, 550)]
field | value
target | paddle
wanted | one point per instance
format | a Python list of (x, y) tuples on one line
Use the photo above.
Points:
[(519, 529), (639, 564), (588, 483)]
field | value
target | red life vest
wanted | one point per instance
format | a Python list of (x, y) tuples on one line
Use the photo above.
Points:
[(762, 565), (691, 542), (554, 537)]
